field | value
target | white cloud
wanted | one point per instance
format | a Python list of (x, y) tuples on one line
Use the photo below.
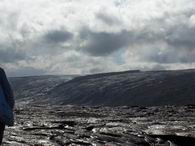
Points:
[(160, 35)]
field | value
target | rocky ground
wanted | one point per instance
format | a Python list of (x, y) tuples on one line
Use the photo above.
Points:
[(99, 126)]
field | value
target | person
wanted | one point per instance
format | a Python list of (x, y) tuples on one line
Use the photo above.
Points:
[(7, 107)]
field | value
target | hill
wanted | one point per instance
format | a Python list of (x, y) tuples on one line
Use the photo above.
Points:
[(28, 89), (143, 88), (131, 88)]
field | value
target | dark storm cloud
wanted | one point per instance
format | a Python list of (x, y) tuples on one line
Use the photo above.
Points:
[(104, 43), (109, 20), (51, 43), (179, 40), (182, 37), (58, 36), (9, 55)]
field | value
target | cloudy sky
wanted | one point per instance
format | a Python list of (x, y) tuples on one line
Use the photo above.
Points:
[(91, 36)]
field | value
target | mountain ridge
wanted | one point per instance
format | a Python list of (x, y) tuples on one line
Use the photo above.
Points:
[(127, 88)]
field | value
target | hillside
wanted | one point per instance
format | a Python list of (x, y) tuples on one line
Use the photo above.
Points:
[(128, 88), (28, 89), (143, 88)]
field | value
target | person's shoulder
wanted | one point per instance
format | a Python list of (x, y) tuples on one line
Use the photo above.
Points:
[(1, 70)]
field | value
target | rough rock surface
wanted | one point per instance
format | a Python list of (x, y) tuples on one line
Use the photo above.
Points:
[(102, 126)]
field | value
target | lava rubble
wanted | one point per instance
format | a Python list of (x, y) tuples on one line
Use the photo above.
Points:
[(98, 126)]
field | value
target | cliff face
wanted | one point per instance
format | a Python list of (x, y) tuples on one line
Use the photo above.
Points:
[(110, 89), (128, 88)]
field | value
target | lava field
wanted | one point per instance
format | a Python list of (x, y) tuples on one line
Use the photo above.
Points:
[(69, 125)]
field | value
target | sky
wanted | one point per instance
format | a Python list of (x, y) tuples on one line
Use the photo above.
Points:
[(91, 36)]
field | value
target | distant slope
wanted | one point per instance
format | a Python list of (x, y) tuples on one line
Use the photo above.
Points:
[(127, 88), (28, 89)]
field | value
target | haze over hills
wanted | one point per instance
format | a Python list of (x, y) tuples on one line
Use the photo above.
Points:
[(27, 89), (143, 88)]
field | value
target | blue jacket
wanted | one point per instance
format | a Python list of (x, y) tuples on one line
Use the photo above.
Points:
[(7, 88), (6, 100)]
